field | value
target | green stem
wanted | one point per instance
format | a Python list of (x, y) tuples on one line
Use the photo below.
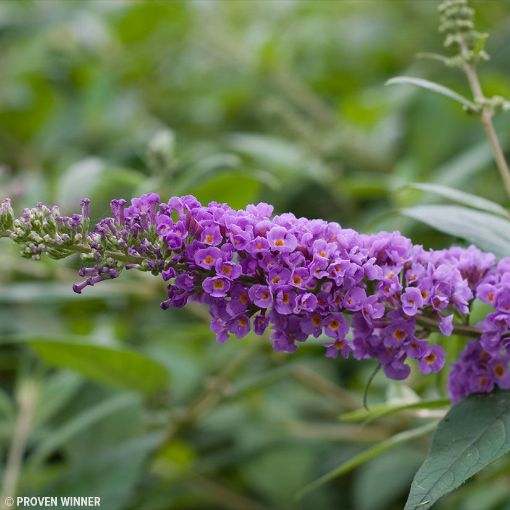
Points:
[(367, 386), (211, 394), (486, 115), (27, 400), (458, 329), (366, 455)]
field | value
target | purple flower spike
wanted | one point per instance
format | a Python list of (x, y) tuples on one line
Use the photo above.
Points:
[(377, 296)]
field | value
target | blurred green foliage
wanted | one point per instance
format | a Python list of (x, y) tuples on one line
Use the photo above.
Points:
[(238, 101)]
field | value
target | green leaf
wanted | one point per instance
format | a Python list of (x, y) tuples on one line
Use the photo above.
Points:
[(433, 87), (234, 188), (7, 409), (111, 365), (104, 451), (57, 390), (80, 423), (96, 179), (471, 436), (113, 476), (487, 231), (367, 455), (462, 197), (381, 410), (371, 490), (284, 159)]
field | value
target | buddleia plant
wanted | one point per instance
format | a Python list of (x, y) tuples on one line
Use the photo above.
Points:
[(376, 297)]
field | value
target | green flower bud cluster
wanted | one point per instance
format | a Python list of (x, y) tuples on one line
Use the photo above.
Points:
[(457, 23), (43, 229)]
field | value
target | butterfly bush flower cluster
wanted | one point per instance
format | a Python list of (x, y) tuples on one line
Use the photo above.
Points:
[(364, 296), (483, 365)]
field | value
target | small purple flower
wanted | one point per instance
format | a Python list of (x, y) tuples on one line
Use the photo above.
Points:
[(228, 269), (85, 203), (433, 360), (216, 286), (487, 293), (397, 370), (499, 367), (260, 324), (280, 239), (412, 301), (240, 326), (502, 301), (211, 236), (340, 346), (398, 332), (417, 348), (168, 274), (207, 258), (299, 277), (355, 299), (440, 296), (185, 281), (258, 245), (372, 309), (279, 277), (239, 300), (218, 326), (261, 296), (306, 302), (446, 325), (285, 301), (164, 225), (312, 325), (335, 326)]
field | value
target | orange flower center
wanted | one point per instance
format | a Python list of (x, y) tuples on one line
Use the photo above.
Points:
[(399, 334), (499, 370), (482, 381), (430, 358)]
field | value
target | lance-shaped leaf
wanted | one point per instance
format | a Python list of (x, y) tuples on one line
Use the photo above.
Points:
[(433, 87), (389, 408), (487, 231), (472, 435), (366, 455), (461, 197), (116, 366)]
